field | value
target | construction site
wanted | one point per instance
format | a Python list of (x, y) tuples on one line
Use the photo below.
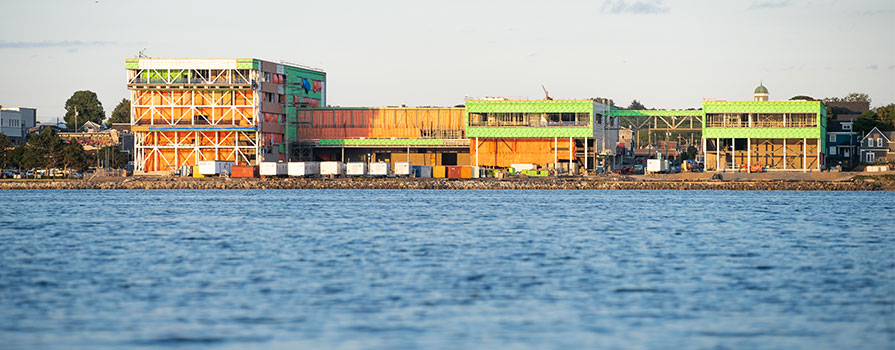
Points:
[(251, 111)]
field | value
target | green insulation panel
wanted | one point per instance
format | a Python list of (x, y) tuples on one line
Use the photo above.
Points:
[(381, 142), (761, 133), (247, 63), (529, 106), (132, 63)]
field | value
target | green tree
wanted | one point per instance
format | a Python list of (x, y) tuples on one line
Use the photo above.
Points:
[(869, 120), (116, 159), (886, 114), (802, 98), (73, 156), (121, 113), (851, 97), (81, 107), (636, 105), (5, 153), (42, 151), (15, 156)]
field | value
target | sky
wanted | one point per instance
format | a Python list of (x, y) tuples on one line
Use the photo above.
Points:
[(664, 53)]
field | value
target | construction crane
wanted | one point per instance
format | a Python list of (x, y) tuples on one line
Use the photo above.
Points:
[(546, 94)]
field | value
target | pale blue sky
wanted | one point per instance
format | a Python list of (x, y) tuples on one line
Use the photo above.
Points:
[(667, 54)]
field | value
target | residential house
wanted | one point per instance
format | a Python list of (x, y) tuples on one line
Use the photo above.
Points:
[(878, 146)]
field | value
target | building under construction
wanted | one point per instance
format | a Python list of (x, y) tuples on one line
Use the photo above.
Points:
[(423, 135), (762, 134), (549, 133), (187, 110)]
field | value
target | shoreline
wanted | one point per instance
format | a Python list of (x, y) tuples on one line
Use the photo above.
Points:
[(570, 183)]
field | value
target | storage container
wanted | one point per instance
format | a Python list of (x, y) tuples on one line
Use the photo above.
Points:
[(244, 171), (453, 172), (332, 168), (274, 169), (378, 169), (356, 169), (422, 171), (476, 172), (465, 172), (303, 169), (439, 171), (215, 167), (402, 168), (524, 166), (196, 172)]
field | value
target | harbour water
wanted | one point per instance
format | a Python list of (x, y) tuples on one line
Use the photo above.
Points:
[(390, 269)]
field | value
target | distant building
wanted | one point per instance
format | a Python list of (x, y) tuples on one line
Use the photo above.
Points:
[(15, 122), (91, 127), (878, 146), (842, 139), (187, 110), (773, 135)]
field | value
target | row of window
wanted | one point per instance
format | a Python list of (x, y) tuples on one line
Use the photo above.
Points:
[(15, 123), (879, 142), (529, 119)]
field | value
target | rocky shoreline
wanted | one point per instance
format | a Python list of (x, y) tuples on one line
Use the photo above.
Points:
[(608, 183)]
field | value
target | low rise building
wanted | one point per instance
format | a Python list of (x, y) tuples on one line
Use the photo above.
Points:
[(878, 146), (16, 121), (771, 135)]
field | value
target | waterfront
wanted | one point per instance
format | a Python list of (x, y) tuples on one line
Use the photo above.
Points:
[(447, 269)]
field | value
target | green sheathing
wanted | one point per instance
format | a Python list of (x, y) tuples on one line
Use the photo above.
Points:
[(246, 63), (533, 106), (132, 63), (381, 142), (815, 107), (294, 88)]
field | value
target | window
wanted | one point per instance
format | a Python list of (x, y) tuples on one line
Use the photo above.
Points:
[(832, 150), (869, 157), (846, 126), (879, 142), (869, 142), (832, 137), (846, 153)]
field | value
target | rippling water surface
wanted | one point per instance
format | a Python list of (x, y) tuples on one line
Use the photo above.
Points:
[(446, 269)]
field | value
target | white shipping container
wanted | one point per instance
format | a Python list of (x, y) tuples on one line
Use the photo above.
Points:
[(476, 172), (273, 169), (524, 166), (331, 168), (215, 167), (876, 168), (403, 168), (356, 169), (378, 169), (656, 165), (303, 168)]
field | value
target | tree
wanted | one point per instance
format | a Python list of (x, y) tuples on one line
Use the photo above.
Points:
[(802, 98), (869, 120), (121, 113), (636, 105), (851, 97), (886, 114), (5, 154), (114, 157), (42, 151), (16, 155), (86, 106), (72, 156)]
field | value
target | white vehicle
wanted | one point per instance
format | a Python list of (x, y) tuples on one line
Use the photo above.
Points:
[(215, 167)]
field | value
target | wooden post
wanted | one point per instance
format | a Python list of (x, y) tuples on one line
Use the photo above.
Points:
[(717, 154), (585, 155), (555, 154), (476, 151), (570, 156), (784, 153), (804, 154), (749, 152), (733, 154)]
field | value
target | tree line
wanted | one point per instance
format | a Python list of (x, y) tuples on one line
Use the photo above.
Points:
[(44, 150), (84, 106)]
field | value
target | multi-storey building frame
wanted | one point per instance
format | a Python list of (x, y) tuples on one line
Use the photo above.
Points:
[(187, 110)]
